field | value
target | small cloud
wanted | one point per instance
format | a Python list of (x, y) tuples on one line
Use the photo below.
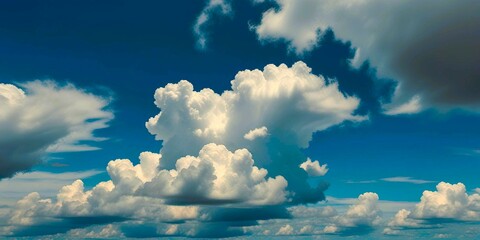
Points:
[(441, 235), (285, 230), (314, 169), (58, 165), (411, 107), (360, 218), (406, 180), (256, 133)]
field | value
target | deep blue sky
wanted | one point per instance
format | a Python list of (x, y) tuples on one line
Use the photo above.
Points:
[(127, 50)]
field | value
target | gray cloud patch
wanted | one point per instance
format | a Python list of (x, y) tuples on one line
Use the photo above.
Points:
[(431, 47)]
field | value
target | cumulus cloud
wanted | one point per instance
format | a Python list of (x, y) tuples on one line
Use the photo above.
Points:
[(360, 218), (430, 46), (215, 176), (450, 202), (40, 117), (213, 7), (291, 102), (314, 169), (116, 198)]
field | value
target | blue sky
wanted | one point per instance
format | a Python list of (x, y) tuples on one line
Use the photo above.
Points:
[(399, 117)]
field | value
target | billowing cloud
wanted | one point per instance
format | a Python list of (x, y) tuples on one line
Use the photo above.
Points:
[(449, 203), (430, 46), (314, 169), (213, 7), (40, 117), (205, 176), (215, 176), (292, 103), (360, 218)]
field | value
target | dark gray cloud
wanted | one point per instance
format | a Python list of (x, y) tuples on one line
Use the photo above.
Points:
[(443, 62), (431, 47)]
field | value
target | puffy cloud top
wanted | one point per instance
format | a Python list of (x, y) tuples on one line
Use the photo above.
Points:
[(361, 216), (314, 168), (215, 176), (290, 102)]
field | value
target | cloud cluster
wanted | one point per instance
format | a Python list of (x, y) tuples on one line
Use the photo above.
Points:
[(205, 172), (217, 176), (449, 203), (360, 218), (431, 46), (40, 117), (290, 103), (116, 198)]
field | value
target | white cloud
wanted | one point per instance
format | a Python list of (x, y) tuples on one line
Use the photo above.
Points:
[(450, 202), (285, 230), (256, 133), (217, 175), (314, 169), (291, 102), (363, 214), (417, 42), (406, 180), (220, 7), (142, 191), (410, 107), (308, 229), (43, 117), (402, 220)]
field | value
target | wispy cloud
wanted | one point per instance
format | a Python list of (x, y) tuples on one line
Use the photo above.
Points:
[(213, 7), (406, 180), (361, 182)]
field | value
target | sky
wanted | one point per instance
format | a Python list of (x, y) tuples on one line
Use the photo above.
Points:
[(260, 119)]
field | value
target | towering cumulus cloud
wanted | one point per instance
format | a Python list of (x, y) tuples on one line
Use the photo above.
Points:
[(291, 103), (227, 159), (430, 46), (42, 117)]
